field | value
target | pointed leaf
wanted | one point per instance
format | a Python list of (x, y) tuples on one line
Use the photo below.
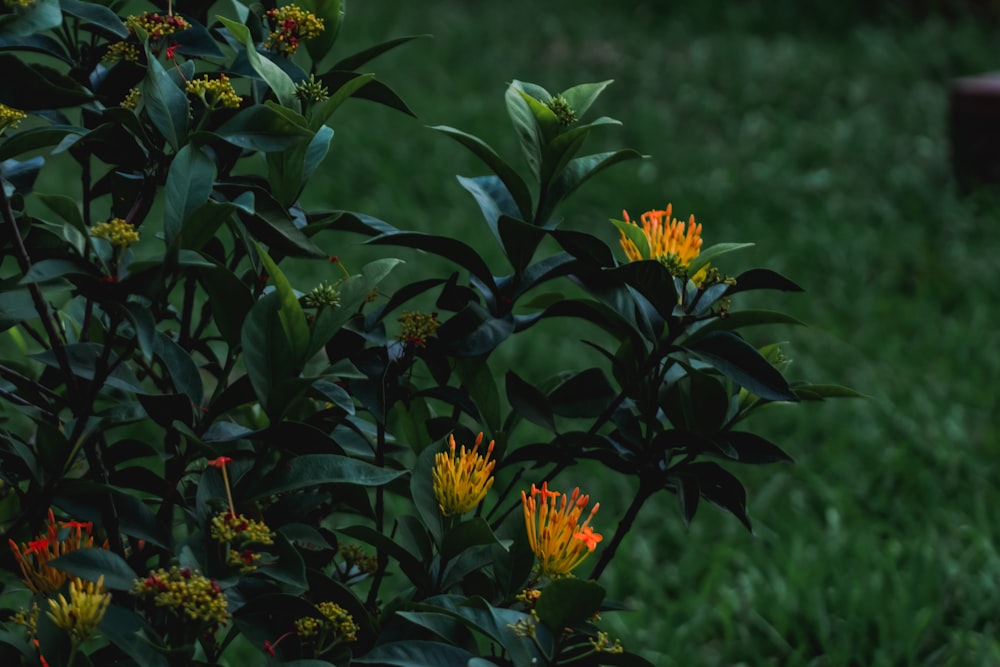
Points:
[(515, 184), (274, 76), (739, 361), (354, 61), (711, 252), (582, 96), (313, 469), (189, 185), (91, 564)]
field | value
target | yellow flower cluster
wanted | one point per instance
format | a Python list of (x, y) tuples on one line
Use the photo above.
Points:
[(557, 538), (229, 527), (122, 51), (58, 539), (117, 232), (10, 117), (131, 100), (603, 644), (157, 26), (215, 93), (186, 592), (670, 242), (462, 479), (29, 619), (355, 556), (416, 328), (290, 25), (338, 621), (82, 613)]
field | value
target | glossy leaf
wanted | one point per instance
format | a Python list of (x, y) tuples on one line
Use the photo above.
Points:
[(36, 17), (314, 469), (447, 247), (755, 279), (529, 402), (568, 603), (91, 564), (511, 179), (414, 653), (711, 252), (738, 360), (720, 487), (331, 12), (581, 96), (96, 15), (261, 128), (293, 319), (577, 172), (165, 102), (274, 76), (189, 185), (33, 87)]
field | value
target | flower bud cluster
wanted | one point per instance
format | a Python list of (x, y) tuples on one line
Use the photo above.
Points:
[(117, 232), (290, 25), (157, 26), (215, 93), (185, 592)]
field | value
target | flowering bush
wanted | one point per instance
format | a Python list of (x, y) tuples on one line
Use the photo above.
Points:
[(268, 478)]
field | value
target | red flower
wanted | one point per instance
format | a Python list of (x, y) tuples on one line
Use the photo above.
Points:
[(220, 461), (172, 50), (269, 647)]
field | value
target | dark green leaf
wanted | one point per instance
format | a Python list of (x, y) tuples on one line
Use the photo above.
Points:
[(819, 392), (51, 269), (415, 653), (230, 301), (582, 96), (711, 252), (331, 12), (322, 111), (583, 394), (443, 246), (314, 469), (83, 360), (165, 102), (39, 16), (751, 448), (510, 178), (519, 240), (261, 128), (36, 138), (276, 79), (763, 279), (529, 402), (267, 354), (293, 319), (422, 491), (472, 533), (33, 87), (97, 15), (36, 43), (568, 603), (189, 185), (577, 172), (91, 564), (721, 488), (739, 361), (130, 632), (356, 60), (181, 367)]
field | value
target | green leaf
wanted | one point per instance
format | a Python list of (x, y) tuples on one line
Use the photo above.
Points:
[(568, 603), (582, 394), (83, 361), (165, 102), (273, 76), (634, 234), (36, 138), (529, 402), (97, 15), (525, 127), (288, 171), (422, 491), (520, 241), (181, 367), (332, 14), (739, 320), (415, 653), (267, 355), (711, 252), (322, 111), (314, 469), (720, 487), (91, 564), (819, 392), (130, 632), (354, 61), (40, 16), (472, 533), (411, 565), (577, 172), (763, 279), (481, 385), (47, 270), (189, 185), (353, 292), (582, 96), (515, 184), (443, 246), (293, 319), (751, 448), (34, 87), (262, 128), (739, 361)]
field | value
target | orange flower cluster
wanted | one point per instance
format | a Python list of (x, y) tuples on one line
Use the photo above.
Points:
[(672, 243), (59, 538), (557, 538)]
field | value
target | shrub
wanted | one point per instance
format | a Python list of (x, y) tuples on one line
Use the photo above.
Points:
[(245, 468)]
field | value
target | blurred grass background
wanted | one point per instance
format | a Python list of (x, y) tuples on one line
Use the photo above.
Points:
[(818, 132)]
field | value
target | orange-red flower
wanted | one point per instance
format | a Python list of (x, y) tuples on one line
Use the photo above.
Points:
[(557, 538), (58, 539)]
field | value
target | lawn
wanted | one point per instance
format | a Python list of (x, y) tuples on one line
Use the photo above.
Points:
[(823, 142)]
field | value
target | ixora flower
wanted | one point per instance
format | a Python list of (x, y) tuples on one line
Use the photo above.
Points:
[(290, 25), (215, 93), (416, 328), (58, 539), (557, 538), (673, 244), (462, 479), (337, 623), (82, 613), (10, 117), (117, 232), (186, 593)]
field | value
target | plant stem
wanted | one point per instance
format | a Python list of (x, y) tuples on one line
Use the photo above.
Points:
[(646, 489), (381, 555)]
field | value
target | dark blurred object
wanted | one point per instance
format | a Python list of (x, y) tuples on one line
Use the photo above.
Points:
[(974, 120)]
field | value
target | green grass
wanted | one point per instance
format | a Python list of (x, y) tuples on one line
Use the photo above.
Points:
[(827, 148)]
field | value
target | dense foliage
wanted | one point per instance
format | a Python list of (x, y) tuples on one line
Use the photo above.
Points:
[(202, 459)]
